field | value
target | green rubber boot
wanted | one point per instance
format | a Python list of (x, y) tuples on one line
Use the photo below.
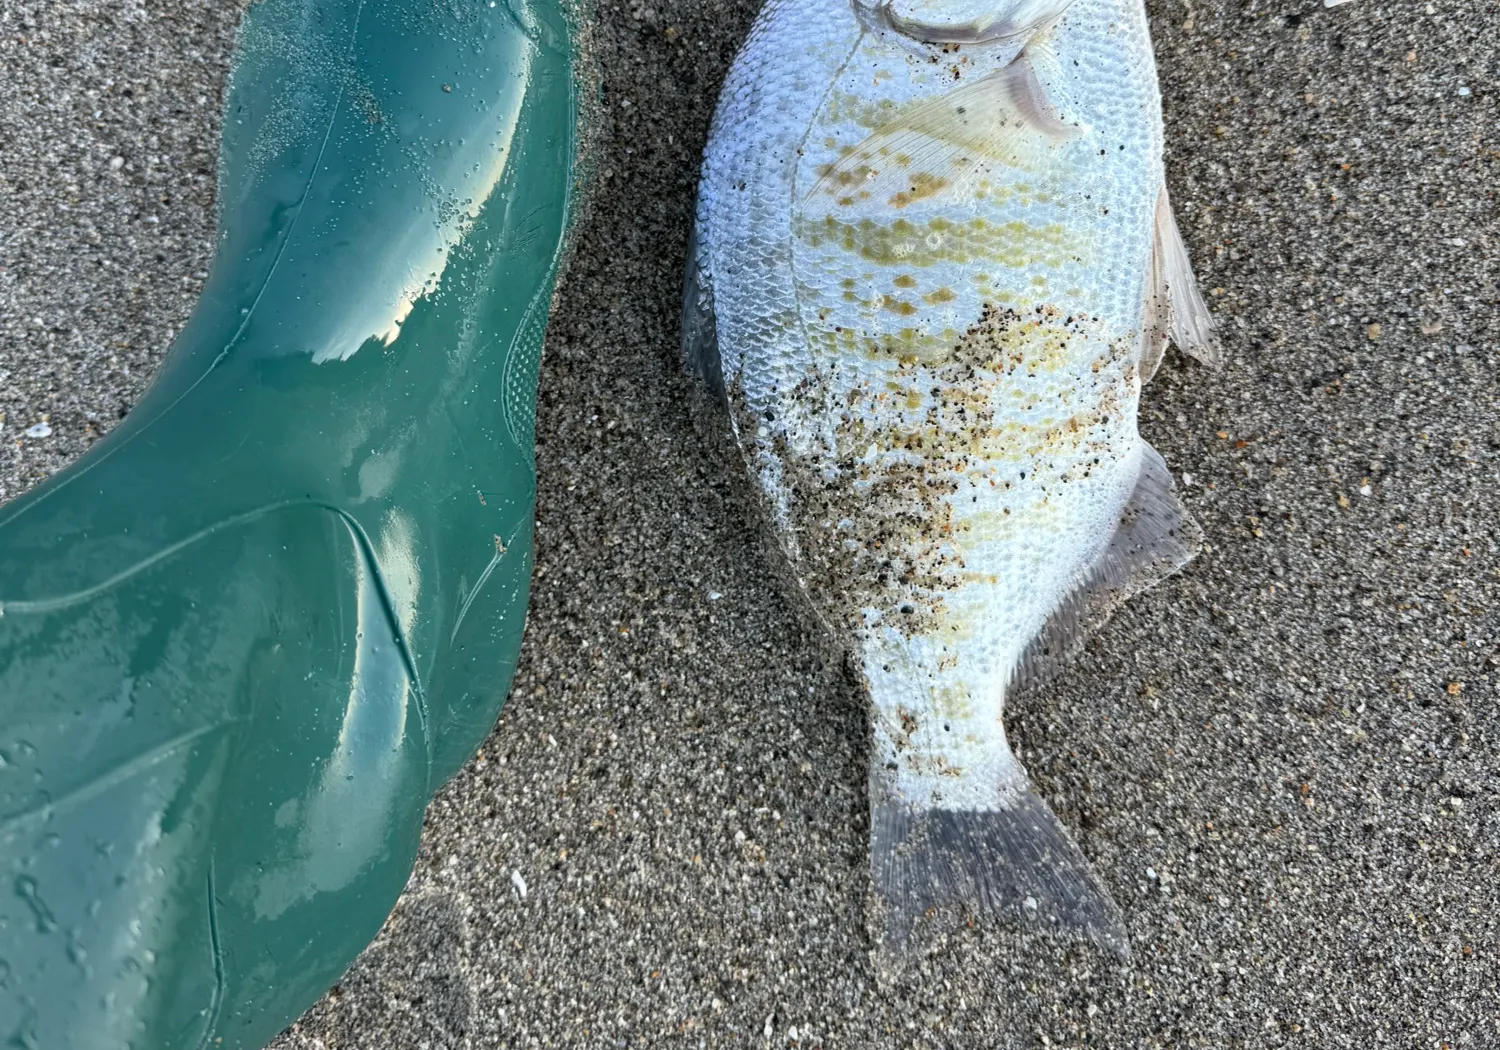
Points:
[(245, 639)]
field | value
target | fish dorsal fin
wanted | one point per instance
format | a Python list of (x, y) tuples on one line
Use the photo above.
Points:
[(1175, 309), (1156, 536), (700, 343), (945, 146)]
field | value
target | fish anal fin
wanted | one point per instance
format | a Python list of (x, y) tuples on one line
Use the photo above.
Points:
[(1014, 863), (943, 148), (1155, 537), (1175, 309)]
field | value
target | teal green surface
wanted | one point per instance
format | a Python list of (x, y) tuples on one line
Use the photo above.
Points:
[(245, 639)]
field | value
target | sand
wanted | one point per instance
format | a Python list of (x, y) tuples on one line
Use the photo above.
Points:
[(1283, 762)]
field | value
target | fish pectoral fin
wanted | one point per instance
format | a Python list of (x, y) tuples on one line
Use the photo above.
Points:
[(1012, 862), (1155, 537), (1175, 308), (945, 148)]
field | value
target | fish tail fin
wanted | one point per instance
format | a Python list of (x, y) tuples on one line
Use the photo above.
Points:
[(1013, 862)]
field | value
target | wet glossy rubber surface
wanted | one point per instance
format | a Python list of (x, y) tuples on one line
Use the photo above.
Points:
[(245, 639)]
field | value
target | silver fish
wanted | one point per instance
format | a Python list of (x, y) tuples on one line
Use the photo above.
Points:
[(933, 263)]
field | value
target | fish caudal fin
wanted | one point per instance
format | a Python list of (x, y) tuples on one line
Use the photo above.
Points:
[(1175, 309), (1013, 863)]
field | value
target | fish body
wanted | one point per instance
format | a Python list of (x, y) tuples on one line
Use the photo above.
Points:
[(933, 264)]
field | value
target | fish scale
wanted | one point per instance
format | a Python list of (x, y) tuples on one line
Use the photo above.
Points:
[(929, 278)]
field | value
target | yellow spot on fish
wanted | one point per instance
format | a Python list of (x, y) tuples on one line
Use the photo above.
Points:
[(922, 186), (951, 702), (847, 177), (1014, 244)]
